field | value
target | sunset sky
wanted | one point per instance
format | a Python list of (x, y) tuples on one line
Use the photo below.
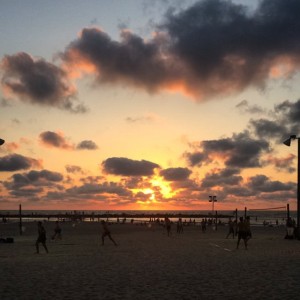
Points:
[(136, 104)]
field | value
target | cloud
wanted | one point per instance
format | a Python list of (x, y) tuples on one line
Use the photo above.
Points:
[(240, 151), (55, 140), (93, 188), (244, 107), (73, 169), (262, 183), (195, 158), (282, 163), (87, 145), (150, 117), (222, 177), (128, 167), (10, 147), (16, 162), (175, 174), (284, 121), (33, 183), (290, 115), (38, 82), (230, 48), (269, 129), (212, 48)]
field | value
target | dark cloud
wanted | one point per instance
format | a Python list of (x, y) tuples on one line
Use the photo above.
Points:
[(107, 187), (33, 181), (262, 183), (269, 129), (230, 48), (240, 151), (290, 115), (38, 82), (56, 140), (87, 145), (239, 191), (132, 60), (214, 47), (284, 121), (196, 158), (175, 174), (16, 162), (222, 178), (128, 167)]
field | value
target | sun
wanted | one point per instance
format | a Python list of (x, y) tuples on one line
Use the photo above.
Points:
[(151, 192), (163, 186)]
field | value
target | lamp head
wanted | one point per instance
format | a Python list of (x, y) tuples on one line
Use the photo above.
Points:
[(1, 142), (288, 141)]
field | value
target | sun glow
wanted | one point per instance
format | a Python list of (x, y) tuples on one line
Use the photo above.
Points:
[(163, 186)]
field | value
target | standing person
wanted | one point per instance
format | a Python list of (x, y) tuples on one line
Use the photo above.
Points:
[(168, 225), (41, 238), (248, 229), (106, 232), (242, 233), (179, 226), (230, 229), (57, 231)]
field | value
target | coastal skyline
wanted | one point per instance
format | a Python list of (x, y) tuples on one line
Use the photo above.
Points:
[(114, 105)]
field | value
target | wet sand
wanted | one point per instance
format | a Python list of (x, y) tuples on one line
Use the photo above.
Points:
[(147, 264)]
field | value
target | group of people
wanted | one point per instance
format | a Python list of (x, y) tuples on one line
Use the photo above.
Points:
[(41, 239), (241, 229)]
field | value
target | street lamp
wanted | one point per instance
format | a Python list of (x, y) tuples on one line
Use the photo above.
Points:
[(1, 142), (288, 143), (213, 199)]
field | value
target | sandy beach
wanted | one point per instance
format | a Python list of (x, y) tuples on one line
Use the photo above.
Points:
[(147, 264)]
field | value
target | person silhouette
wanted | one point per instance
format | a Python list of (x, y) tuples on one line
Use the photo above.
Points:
[(242, 233), (230, 229), (106, 232), (179, 226), (168, 225), (41, 238), (57, 232)]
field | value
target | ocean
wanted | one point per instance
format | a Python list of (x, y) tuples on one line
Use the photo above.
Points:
[(258, 217)]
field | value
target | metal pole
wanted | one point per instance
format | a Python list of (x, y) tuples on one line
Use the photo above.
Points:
[(236, 221), (20, 218), (287, 211), (216, 220), (298, 193), (245, 212)]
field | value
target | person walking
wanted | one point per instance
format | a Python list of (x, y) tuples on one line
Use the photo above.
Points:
[(41, 238), (106, 232)]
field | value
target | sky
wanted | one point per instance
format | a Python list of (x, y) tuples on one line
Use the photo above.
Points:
[(149, 105)]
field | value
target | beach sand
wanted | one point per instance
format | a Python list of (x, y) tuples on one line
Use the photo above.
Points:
[(147, 264)]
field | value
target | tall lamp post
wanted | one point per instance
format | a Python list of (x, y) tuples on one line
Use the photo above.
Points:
[(213, 199), (288, 143)]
